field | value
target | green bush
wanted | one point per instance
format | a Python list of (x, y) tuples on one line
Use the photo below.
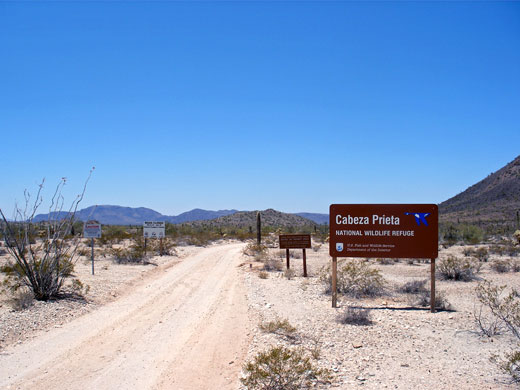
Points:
[(281, 368), (472, 234)]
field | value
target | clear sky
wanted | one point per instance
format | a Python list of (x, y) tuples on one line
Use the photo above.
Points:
[(254, 105)]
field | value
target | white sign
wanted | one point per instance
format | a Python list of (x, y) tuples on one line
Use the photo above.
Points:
[(92, 229), (153, 229)]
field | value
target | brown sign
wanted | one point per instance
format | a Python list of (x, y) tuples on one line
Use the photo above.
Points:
[(295, 241), (384, 230)]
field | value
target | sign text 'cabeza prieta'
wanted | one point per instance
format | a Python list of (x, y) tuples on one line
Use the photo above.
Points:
[(384, 230)]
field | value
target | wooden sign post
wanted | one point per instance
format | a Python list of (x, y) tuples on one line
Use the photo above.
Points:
[(295, 241), (384, 230)]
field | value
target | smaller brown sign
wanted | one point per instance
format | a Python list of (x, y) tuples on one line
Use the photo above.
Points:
[(295, 241)]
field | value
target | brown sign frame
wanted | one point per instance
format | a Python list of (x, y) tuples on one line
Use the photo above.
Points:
[(294, 241), (384, 230)]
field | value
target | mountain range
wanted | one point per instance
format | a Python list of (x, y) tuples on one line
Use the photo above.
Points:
[(119, 215), (495, 199)]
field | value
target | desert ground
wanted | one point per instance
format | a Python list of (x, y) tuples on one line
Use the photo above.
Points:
[(191, 320)]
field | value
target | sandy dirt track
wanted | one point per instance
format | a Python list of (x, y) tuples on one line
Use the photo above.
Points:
[(185, 327)]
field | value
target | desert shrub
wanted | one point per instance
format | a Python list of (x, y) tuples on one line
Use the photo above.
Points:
[(502, 304), (413, 287), (263, 275), (22, 299), (510, 365), (385, 261), (355, 316), (316, 247), (255, 250), (460, 269), (271, 264), (281, 368), (468, 252), (501, 266), (472, 234), (498, 249), (288, 273), (133, 254), (482, 254), (423, 300), (356, 279), (113, 235), (296, 254), (487, 325)]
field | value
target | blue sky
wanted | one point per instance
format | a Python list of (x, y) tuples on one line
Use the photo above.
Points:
[(252, 105)]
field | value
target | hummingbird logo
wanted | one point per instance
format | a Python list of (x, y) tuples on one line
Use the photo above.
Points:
[(420, 218)]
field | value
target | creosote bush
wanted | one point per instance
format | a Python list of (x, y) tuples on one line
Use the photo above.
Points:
[(413, 287), (281, 368), (355, 278), (455, 268), (504, 305)]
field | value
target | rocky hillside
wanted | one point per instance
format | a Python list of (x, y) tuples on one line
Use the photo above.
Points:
[(244, 219), (496, 199)]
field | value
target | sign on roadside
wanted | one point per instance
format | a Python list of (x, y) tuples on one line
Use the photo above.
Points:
[(153, 229), (92, 229), (384, 230), (294, 241)]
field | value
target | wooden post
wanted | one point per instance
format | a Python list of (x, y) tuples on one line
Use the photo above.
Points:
[(334, 282), (287, 257), (304, 263), (432, 286), (92, 247)]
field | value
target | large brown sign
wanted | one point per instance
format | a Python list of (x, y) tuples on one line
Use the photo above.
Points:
[(295, 241), (384, 230)]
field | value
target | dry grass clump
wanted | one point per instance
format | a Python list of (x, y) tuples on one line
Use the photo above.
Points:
[(355, 316), (281, 368), (278, 326), (21, 300), (455, 268)]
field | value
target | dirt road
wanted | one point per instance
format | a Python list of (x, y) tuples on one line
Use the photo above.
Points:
[(185, 327)]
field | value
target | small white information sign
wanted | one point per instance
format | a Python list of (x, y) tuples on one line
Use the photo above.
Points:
[(92, 229), (153, 229)]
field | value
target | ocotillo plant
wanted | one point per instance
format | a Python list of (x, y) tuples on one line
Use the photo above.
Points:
[(258, 228)]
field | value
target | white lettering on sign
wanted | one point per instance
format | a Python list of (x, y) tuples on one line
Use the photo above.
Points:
[(376, 220)]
